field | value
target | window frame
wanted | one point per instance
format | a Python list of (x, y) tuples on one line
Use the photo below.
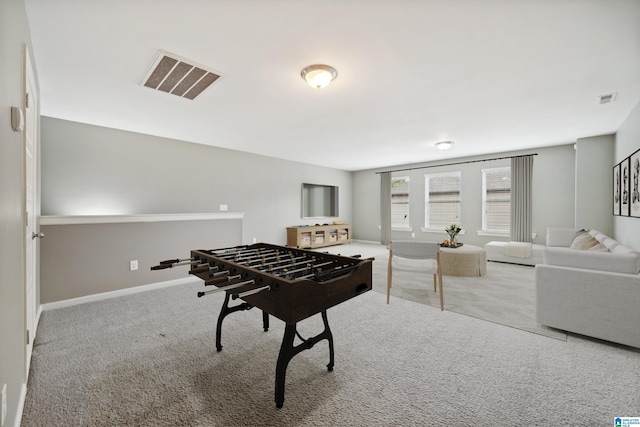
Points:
[(406, 224), (484, 201), (427, 222)]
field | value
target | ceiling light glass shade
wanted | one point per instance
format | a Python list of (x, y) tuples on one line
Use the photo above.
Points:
[(318, 75), (444, 145)]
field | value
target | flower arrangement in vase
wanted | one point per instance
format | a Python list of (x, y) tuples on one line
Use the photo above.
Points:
[(452, 231)]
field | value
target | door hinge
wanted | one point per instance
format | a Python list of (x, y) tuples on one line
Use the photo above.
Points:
[(28, 339), (26, 100)]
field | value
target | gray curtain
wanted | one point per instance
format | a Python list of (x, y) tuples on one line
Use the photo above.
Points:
[(521, 175), (385, 207)]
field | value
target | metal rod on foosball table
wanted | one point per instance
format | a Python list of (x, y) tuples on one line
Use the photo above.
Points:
[(227, 288), (231, 254), (290, 261), (163, 266), (330, 273), (203, 269), (251, 292), (307, 261), (175, 261), (307, 268)]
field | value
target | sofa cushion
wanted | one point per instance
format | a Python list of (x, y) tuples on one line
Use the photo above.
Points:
[(584, 241), (599, 247), (611, 244), (628, 262), (559, 236)]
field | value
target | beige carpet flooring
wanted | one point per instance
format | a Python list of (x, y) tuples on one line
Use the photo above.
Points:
[(149, 359)]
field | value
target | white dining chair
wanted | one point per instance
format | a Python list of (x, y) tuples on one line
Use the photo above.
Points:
[(416, 249)]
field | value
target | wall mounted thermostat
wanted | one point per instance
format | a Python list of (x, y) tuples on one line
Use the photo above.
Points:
[(17, 119)]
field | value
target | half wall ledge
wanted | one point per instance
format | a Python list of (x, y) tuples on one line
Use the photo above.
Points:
[(115, 219)]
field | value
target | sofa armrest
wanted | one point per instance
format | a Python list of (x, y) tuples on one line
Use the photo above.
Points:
[(626, 263), (595, 303)]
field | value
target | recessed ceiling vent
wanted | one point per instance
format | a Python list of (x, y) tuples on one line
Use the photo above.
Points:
[(607, 99), (178, 76)]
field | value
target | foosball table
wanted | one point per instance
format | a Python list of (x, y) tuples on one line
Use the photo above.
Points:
[(290, 284)]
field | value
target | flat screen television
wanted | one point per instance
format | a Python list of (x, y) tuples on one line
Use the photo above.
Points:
[(319, 201)]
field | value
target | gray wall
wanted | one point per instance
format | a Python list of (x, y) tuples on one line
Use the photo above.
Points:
[(86, 259), (95, 170), (14, 34), (627, 230), (553, 196), (594, 194)]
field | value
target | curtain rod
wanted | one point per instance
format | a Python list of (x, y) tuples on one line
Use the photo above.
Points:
[(459, 163)]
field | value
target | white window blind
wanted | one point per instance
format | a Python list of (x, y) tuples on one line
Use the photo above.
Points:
[(496, 199), (442, 197), (400, 202)]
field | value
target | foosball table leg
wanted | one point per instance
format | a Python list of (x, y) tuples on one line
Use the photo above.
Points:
[(226, 310), (288, 351)]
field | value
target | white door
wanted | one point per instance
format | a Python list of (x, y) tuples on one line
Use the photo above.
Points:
[(31, 162)]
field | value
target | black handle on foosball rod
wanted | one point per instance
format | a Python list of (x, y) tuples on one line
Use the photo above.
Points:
[(171, 261), (201, 294), (161, 266)]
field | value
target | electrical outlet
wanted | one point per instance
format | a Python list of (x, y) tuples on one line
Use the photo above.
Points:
[(255, 240), (133, 265), (224, 208), (413, 235), (4, 403)]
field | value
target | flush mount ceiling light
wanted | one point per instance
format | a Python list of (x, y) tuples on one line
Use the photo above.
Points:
[(444, 145), (319, 75)]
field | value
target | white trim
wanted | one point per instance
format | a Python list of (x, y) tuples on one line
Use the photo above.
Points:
[(21, 400), (501, 234), (113, 219), (441, 231), (401, 229), (113, 294), (369, 242), (493, 233)]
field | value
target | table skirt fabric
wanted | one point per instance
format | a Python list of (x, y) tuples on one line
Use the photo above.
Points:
[(467, 261)]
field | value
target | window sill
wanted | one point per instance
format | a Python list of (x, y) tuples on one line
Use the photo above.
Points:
[(439, 231), (401, 229)]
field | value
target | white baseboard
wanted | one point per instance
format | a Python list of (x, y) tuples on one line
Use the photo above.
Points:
[(369, 242), (23, 396), (114, 294)]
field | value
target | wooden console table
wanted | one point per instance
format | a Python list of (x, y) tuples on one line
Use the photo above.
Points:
[(317, 236)]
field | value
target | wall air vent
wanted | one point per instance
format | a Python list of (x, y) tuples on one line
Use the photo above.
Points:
[(172, 74), (607, 99)]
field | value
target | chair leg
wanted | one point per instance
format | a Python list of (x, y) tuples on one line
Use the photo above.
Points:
[(389, 274), (441, 294), (440, 280)]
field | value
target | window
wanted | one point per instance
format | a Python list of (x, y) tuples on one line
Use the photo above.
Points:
[(496, 199), (442, 199), (400, 202)]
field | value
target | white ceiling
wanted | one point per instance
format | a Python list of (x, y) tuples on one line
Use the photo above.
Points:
[(491, 75)]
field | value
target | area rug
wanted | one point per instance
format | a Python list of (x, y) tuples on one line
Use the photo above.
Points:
[(505, 295)]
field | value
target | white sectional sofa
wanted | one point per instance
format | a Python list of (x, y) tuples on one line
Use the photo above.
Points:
[(514, 252), (593, 292)]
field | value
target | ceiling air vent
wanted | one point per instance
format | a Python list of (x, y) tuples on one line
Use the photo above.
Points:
[(606, 99), (178, 76)]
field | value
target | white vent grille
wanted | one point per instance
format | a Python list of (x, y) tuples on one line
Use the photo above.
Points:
[(606, 99), (172, 74)]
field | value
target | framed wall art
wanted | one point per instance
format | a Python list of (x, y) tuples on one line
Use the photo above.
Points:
[(616, 189), (625, 178), (634, 189)]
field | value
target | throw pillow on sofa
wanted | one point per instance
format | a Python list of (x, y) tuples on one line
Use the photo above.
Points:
[(584, 241)]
